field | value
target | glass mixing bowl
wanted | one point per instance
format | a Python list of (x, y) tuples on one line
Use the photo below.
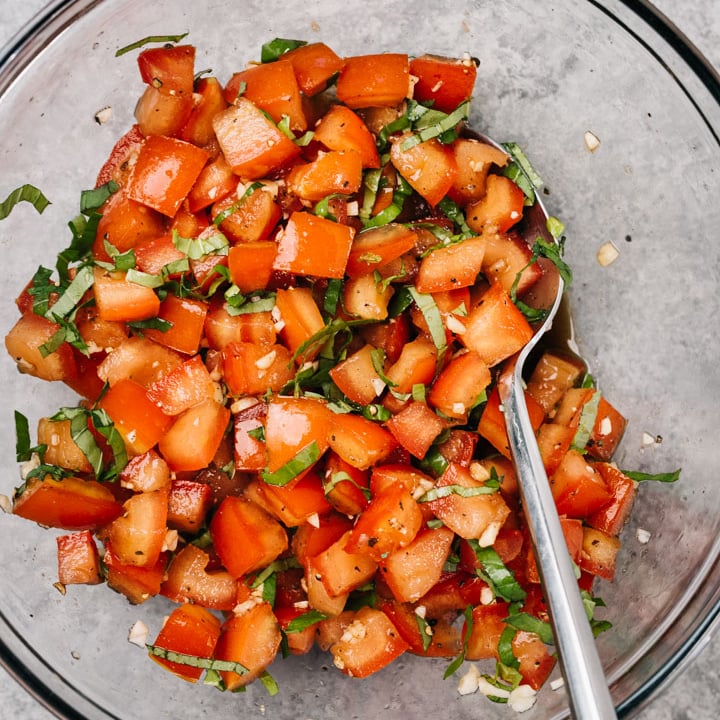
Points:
[(647, 323)]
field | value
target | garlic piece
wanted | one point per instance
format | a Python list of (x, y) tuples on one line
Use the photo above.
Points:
[(592, 141), (607, 254)]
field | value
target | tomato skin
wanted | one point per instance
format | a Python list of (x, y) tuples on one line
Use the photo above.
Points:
[(169, 69), (374, 80), (70, 504), (446, 82)]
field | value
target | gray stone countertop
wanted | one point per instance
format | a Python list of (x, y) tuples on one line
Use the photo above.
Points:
[(693, 695)]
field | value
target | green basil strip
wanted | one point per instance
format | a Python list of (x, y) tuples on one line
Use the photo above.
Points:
[(150, 39), (333, 293), (121, 261), (198, 248), (460, 659), (455, 213), (24, 193), (588, 416), (376, 412), (377, 355), (104, 425), (84, 232), (431, 313), (434, 462), (521, 172), (529, 623), (502, 579), (305, 459), (269, 683), (304, 621), (277, 47), (23, 450), (326, 334), (196, 661), (439, 126), (145, 279), (551, 251), (155, 323), (371, 186), (265, 304), (94, 199), (668, 477), (342, 476), (72, 294), (460, 490), (555, 227), (81, 435), (505, 649), (274, 567), (425, 631)]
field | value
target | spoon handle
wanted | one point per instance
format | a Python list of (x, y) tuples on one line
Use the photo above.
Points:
[(584, 677)]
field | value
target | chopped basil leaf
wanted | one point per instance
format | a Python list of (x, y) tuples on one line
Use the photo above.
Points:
[(274, 567), (452, 210), (402, 191), (436, 124), (24, 193), (555, 227), (72, 294), (326, 335), (425, 629), (305, 459), (196, 661), (529, 623), (505, 649), (23, 450), (94, 199), (304, 621), (669, 477), (400, 301), (200, 247), (252, 305), (418, 392), (121, 261), (434, 462), (104, 425), (521, 172), (82, 436), (333, 293), (588, 416), (269, 683), (228, 211), (377, 355), (376, 412), (459, 490), (150, 39), (41, 288), (431, 313), (500, 577), (460, 659), (342, 476), (553, 252), (155, 323), (371, 184), (257, 433), (145, 279), (277, 47)]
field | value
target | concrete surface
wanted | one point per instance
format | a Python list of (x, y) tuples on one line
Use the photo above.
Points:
[(693, 695)]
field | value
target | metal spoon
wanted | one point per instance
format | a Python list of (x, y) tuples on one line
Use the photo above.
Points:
[(586, 684)]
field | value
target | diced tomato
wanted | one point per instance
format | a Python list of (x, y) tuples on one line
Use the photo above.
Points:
[(452, 267), (138, 359), (365, 298), (312, 245), (24, 342), (78, 559), (137, 583), (189, 630), (209, 101), (487, 627), (301, 320), (119, 299), (413, 570), (215, 182), (251, 218), (251, 265), (61, 450), (252, 143), (474, 160), (342, 569), (429, 167), (311, 540), (170, 69), (415, 366), (357, 378), (536, 662), (314, 64), (249, 369), (611, 517), (188, 504), (607, 431), (374, 80), (599, 553), (221, 328), (245, 536), (378, 246), (164, 172), (443, 642), (138, 536), (251, 639), (195, 436), (460, 385), (552, 376), (249, 451), (577, 487), (335, 171), (273, 88), (495, 328), (140, 422), (415, 427), (342, 129), (117, 166), (160, 114), (190, 580), (444, 82), (187, 319), (500, 208), (182, 387)]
